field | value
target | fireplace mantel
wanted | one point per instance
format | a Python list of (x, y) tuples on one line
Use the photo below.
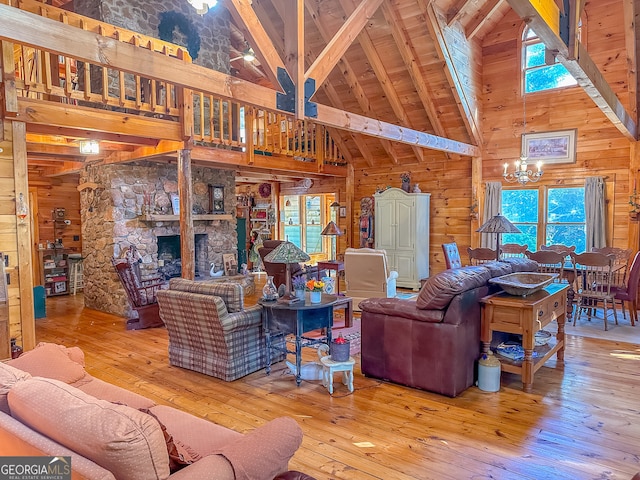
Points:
[(176, 218)]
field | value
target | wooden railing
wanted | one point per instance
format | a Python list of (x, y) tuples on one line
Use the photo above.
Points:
[(218, 121)]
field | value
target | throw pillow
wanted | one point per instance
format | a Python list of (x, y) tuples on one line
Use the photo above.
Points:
[(120, 439), (9, 376), (50, 361), (439, 290)]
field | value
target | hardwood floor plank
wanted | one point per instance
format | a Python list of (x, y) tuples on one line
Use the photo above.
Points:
[(579, 422)]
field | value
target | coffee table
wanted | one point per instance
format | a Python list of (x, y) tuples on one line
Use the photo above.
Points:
[(297, 318)]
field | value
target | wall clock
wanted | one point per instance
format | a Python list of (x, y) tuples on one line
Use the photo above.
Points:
[(218, 199)]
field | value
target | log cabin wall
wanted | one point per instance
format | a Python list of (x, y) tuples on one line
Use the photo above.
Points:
[(53, 193), (601, 149)]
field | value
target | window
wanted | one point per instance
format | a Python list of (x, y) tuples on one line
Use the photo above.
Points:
[(537, 74), (546, 216), (304, 218)]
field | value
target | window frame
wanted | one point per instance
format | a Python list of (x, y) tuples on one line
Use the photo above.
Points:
[(523, 44), (543, 210)]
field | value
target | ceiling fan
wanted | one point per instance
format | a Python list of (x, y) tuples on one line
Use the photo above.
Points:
[(248, 55)]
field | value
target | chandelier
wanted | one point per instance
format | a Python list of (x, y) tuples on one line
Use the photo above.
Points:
[(522, 174), (202, 6)]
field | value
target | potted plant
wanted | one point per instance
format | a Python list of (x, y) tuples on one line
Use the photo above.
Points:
[(298, 284), (340, 349), (315, 288)]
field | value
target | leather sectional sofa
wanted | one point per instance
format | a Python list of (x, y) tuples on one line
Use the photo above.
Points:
[(432, 342)]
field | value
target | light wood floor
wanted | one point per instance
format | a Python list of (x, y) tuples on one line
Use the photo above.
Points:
[(580, 422)]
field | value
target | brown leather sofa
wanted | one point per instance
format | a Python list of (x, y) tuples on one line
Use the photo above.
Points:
[(432, 342)]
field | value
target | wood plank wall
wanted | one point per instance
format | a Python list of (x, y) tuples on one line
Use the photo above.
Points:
[(601, 149)]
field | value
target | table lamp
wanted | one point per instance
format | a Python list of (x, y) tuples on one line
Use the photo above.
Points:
[(287, 253), (331, 230), (498, 224)]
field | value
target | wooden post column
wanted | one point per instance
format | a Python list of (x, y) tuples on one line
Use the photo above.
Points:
[(187, 241)]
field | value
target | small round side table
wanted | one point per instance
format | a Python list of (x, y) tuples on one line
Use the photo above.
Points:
[(329, 367)]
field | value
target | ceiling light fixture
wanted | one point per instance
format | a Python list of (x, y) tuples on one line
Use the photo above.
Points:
[(201, 6), (522, 174), (248, 55), (89, 147)]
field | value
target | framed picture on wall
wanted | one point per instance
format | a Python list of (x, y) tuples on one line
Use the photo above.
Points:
[(550, 147), (343, 212)]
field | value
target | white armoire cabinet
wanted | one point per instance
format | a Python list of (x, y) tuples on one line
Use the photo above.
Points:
[(402, 229)]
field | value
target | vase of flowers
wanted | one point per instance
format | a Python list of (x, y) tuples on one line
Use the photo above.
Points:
[(298, 284), (340, 349), (315, 290)]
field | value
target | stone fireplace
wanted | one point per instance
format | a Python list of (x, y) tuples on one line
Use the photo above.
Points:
[(169, 257), (114, 218)]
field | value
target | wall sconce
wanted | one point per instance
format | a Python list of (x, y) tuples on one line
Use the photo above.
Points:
[(22, 209), (89, 147)]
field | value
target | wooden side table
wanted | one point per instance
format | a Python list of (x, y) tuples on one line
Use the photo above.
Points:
[(525, 316)]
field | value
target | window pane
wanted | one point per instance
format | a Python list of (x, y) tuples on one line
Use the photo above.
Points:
[(314, 240), (567, 235), (292, 212), (528, 236), (312, 210), (545, 78), (293, 234), (520, 206), (534, 55), (566, 205)]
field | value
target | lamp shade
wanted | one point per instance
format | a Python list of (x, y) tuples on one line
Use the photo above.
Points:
[(286, 252), (331, 229), (498, 224)]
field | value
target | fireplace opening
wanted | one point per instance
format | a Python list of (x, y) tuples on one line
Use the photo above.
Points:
[(169, 259)]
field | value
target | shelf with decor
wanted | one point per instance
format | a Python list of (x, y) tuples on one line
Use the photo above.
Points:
[(153, 217), (55, 267), (262, 218)]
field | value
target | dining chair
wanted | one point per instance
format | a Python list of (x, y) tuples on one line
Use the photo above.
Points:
[(629, 293), (513, 250), (478, 256), (451, 255), (548, 262), (564, 249), (592, 272), (620, 264)]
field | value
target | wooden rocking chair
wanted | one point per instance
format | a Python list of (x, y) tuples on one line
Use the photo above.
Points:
[(141, 293)]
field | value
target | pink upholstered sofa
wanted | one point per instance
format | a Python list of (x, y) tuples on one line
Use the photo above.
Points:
[(48, 400)]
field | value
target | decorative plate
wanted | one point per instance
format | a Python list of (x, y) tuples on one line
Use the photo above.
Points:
[(264, 190)]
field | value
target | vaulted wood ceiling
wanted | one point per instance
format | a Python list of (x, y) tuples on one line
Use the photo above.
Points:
[(413, 64)]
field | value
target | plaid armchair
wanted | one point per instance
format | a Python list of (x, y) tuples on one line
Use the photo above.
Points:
[(209, 329)]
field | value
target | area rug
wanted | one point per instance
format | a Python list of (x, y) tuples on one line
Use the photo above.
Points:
[(349, 333), (623, 332)]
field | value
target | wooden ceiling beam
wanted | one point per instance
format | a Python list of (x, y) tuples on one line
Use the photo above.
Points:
[(457, 10), (481, 17), (78, 133), (341, 41), (294, 52), (467, 102), (38, 32), (40, 112), (352, 79), (245, 16), (388, 131), (632, 44), (583, 69), (424, 90)]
